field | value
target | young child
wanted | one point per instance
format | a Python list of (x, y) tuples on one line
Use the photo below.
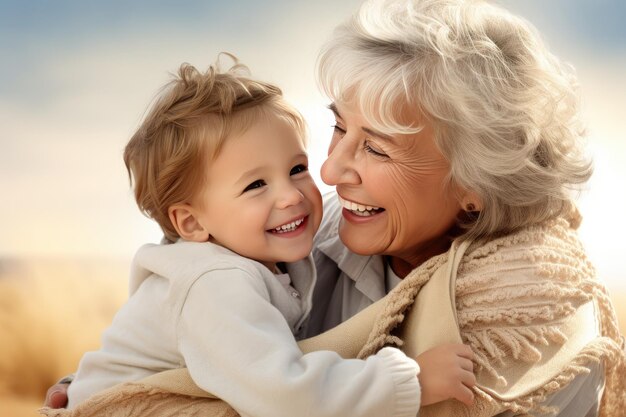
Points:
[(220, 163)]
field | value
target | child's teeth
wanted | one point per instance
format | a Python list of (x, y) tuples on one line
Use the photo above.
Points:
[(289, 226)]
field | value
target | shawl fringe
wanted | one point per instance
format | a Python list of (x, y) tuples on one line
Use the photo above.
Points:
[(503, 320)]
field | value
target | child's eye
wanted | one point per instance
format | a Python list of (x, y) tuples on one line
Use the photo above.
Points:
[(253, 185), (298, 169)]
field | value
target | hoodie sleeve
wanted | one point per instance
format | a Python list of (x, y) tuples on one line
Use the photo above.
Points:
[(238, 346)]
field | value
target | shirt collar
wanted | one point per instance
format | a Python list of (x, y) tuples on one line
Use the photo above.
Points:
[(368, 272)]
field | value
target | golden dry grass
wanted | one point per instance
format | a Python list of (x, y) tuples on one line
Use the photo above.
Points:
[(15, 406), (52, 312)]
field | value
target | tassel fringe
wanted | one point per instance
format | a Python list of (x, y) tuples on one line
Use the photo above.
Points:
[(557, 278)]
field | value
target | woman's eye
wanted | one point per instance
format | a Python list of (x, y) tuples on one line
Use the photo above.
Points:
[(255, 184), (373, 151), (298, 169), (338, 129)]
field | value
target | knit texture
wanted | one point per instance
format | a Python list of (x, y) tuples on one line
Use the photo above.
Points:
[(499, 319), (138, 399)]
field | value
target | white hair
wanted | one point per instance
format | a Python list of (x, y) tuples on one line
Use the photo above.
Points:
[(504, 109)]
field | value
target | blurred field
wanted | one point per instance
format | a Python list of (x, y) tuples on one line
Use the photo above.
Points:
[(51, 312)]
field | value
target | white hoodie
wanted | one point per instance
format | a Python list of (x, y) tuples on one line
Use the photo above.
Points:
[(231, 322)]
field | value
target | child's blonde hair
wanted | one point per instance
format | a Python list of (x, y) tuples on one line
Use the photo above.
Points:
[(185, 129)]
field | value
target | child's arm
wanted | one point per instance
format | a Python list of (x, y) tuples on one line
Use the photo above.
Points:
[(239, 347), (446, 372)]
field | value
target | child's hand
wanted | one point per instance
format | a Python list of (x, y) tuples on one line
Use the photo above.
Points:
[(56, 397), (447, 372)]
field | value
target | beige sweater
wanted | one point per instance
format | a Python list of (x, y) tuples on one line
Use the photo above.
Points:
[(528, 304)]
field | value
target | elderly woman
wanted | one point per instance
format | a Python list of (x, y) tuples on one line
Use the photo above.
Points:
[(456, 147), (458, 136)]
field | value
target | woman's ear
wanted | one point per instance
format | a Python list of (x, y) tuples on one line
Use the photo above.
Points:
[(186, 223), (471, 202)]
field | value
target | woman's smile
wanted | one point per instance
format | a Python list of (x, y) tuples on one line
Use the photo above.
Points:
[(358, 209)]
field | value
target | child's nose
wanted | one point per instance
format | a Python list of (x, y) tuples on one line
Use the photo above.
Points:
[(289, 196)]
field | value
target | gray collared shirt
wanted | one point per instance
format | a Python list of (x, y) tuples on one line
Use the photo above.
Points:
[(347, 283)]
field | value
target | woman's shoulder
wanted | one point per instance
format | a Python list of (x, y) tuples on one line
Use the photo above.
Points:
[(536, 317), (542, 249), (515, 292), (546, 260)]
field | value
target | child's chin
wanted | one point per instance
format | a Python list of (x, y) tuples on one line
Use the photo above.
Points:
[(298, 255)]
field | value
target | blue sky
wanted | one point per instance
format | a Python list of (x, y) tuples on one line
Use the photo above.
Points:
[(77, 76), (597, 25)]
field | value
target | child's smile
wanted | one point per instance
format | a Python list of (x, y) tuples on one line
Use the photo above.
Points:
[(289, 227), (259, 200)]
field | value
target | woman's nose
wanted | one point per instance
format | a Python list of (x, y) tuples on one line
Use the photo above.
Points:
[(339, 167), (289, 195)]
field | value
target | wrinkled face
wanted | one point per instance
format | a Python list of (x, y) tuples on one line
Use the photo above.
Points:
[(391, 189), (259, 199)]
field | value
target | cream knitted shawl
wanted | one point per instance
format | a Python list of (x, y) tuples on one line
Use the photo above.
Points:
[(527, 303)]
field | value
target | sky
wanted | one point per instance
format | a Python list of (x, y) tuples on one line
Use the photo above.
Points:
[(77, 76)]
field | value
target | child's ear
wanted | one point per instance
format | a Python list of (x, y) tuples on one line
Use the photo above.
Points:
[(186, 223)]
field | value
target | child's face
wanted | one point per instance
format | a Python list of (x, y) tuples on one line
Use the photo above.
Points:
[(260, 183)]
